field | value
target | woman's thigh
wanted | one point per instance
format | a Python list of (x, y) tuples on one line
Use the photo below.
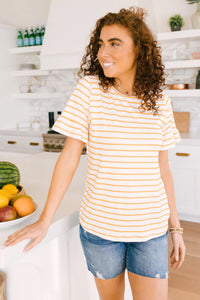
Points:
[(147, 265), (146, 288), (105, 259)]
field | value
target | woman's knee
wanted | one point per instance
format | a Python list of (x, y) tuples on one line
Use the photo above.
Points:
[(111, 289)]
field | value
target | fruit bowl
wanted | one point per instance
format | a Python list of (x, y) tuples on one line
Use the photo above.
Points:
[(21, 191), (18, 220)]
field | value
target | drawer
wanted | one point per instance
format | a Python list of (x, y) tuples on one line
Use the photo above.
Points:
[(185, 153), (15, 143)]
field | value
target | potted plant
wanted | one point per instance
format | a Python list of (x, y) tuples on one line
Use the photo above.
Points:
[(195, 18), (176, 22)]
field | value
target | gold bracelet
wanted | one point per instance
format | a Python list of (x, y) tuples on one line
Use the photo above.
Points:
[(179, 230)]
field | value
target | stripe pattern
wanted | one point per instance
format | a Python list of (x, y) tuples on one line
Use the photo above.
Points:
[(125, 198)]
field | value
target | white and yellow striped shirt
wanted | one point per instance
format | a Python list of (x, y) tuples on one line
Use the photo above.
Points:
[(124, 199)]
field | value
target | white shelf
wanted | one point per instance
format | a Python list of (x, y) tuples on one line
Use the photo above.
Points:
[(178, 64), (183, 93), (30, 73), (24, 50), (37, 95), (182, 34)]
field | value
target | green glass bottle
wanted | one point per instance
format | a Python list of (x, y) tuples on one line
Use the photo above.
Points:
[(198, 80), (26, 38), (42, 32), (37, 36), (32, 37), (20, 39)]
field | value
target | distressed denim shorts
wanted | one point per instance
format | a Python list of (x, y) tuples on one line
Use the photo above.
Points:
[(107, 259)]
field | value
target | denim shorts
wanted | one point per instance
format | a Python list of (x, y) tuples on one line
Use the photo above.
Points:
[(107, 259)]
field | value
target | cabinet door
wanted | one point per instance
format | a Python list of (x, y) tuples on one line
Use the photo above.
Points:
[(185, 185)]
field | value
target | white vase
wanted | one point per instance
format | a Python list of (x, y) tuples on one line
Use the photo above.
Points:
[(195, 18)]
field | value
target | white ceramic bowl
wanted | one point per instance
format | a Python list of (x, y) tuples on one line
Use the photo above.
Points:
[(8, 224)]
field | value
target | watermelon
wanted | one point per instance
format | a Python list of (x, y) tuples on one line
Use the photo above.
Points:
[(9, 174)]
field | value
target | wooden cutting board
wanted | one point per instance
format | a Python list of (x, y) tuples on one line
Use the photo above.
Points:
[(182, 120)]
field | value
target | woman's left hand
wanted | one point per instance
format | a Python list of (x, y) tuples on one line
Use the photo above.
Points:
[(178, 252)]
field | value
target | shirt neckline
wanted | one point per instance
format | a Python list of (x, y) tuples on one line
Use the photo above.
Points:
[(121, 94)]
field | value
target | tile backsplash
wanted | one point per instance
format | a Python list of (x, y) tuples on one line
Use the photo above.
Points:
[(65, 81)]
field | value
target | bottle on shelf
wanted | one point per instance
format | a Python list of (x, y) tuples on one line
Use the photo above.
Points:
[(37, 36), (26, 38), (42, 32), (198, 80), (20, 39), (32, 37)]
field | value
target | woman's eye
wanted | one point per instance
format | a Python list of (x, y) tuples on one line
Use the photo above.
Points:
[(115, 44), (100, 45)]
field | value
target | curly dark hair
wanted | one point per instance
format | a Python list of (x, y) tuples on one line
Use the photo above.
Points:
[(149, 78)]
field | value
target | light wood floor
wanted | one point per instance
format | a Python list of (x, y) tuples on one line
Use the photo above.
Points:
[(184, 284)]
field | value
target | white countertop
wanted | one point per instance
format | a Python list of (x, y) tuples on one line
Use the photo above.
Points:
[(24, 131), (39, 131), (36, 172)]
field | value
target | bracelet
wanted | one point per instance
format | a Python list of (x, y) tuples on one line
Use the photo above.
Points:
[(179, 230)]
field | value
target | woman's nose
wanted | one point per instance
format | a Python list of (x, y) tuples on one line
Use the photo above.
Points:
[(104, 51)]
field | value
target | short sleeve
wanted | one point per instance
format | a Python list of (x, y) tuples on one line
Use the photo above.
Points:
[(74, 120), (170, 133)]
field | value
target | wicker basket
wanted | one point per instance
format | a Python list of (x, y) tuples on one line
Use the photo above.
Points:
[(3, 286), (21, 191)]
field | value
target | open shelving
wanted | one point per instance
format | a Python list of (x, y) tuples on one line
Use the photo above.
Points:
[(24, 50), (30, 73), (182, 34), (184, 93), (174, 36), (37, 95)]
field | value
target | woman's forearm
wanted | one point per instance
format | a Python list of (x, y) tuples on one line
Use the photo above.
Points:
[(64, 170), (169, 187)]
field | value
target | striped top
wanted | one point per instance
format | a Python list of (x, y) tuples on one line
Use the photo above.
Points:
[(124, 199)]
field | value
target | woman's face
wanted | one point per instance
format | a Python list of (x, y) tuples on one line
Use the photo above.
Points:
[(117, 52)]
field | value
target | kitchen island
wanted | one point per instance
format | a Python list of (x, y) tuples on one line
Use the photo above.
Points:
[(54, 268)]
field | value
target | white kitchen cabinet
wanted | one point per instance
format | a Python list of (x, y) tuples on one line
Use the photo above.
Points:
[(185, 166), (56, 268)]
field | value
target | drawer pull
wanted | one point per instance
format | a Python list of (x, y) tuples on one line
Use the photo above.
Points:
[(12, 142), (182, 154), (33, 144)]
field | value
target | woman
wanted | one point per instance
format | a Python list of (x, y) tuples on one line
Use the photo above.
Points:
[(119, 109)]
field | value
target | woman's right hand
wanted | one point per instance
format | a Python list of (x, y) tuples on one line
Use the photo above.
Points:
[(36, 232)]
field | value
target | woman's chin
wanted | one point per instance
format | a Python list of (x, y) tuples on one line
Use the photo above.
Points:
[(109, 74)]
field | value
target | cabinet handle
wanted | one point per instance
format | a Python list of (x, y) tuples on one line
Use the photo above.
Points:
[(182, 154), (33, 144), (12, 142)]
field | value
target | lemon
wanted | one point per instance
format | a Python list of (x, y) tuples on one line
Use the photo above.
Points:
[(11, 188), (6, 193), (4, 200)]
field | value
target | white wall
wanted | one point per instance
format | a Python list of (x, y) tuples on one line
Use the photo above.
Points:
[(24, 12), (161, 10), (32, 12)]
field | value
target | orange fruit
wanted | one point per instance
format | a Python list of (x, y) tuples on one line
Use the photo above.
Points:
[(24, 206)]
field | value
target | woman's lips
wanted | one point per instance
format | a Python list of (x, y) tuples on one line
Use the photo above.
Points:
[(107, 65)]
